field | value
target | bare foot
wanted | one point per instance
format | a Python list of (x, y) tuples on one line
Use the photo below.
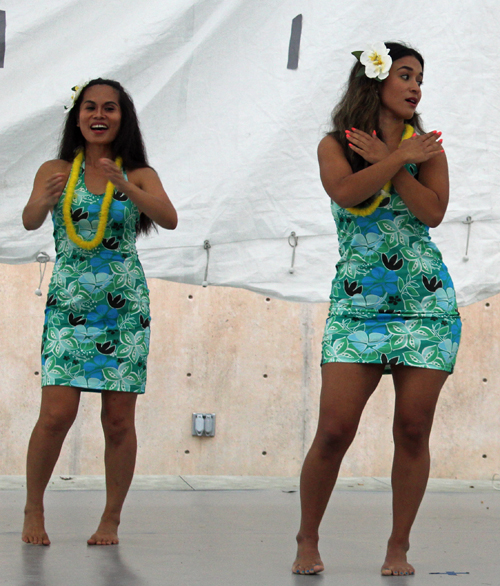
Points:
[(106, 534), (34, 528), (308, 560), (395, 563)]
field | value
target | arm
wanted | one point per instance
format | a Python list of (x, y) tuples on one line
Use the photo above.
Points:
[(427, 197), (346, 188), (143, 188), (47, 189)]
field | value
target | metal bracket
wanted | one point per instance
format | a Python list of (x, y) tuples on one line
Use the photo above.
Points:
[(203, 424), (468, 221), (207, 246), (42, 258), (293, 241)]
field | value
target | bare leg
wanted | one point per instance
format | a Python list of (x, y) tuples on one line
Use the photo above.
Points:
[(118, 422), (345, 390), (57, 412), (417, 392)]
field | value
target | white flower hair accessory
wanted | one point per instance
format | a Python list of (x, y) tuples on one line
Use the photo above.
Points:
[(77, 90), (376, 61)]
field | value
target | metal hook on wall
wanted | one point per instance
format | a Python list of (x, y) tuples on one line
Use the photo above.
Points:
[(42, 258), (468, 221), (207, 246), (293, 241)]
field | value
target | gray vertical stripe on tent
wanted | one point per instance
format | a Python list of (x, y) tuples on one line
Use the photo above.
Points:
[(294, 47), (2, 37)]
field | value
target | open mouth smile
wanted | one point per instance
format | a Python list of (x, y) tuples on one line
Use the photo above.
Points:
[(98, 127)]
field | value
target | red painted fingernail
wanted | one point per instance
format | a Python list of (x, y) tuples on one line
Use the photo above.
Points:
[(442, 150), (440, 141), (353, 128), (350, 144)]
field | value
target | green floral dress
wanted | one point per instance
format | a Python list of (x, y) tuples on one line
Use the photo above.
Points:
[(392, 299), (96, 331)]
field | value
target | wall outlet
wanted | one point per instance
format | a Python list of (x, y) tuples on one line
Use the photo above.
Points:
[(203, 424)]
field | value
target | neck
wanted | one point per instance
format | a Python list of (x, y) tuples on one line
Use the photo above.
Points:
[(94, 152), (392, 128)]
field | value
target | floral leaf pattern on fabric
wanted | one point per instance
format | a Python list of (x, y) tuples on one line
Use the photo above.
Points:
[(392, 299), (96, 331)]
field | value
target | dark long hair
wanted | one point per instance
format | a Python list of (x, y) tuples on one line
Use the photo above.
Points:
[(128, 143), (360, 106)]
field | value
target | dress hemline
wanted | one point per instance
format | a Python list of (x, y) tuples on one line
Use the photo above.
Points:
[(131, 391), (388, 367)]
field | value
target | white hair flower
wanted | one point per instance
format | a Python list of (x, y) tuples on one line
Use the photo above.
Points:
[(77, 90), (376, 61)]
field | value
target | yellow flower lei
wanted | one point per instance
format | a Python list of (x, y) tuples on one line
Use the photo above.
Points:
[(386, 190), (103, 214)]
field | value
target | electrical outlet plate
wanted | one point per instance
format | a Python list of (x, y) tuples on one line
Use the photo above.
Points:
[(203, 424)]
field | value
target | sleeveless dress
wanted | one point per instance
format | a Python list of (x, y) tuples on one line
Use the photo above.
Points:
[(392, 298), (96, 331)]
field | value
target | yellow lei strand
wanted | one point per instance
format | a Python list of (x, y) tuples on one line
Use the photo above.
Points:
[(386, 190), (103, 214)]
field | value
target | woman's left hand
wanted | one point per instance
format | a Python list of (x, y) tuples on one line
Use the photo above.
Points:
[(114, 174), (145, 190), (369, 146)]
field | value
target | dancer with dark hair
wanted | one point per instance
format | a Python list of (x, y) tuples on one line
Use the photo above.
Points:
[(393, 307), (101, 193)]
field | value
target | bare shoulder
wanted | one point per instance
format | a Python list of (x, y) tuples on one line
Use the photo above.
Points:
[(146, 178), (142, 175), (332, 159), (142, 172), (54, 166), (329, 148), (436, 167)]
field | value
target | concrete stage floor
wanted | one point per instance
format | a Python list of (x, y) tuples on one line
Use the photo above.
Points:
[(240, 532)]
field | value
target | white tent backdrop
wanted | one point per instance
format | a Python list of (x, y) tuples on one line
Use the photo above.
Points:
[(233, 132)]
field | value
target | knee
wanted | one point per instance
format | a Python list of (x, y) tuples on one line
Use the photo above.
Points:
[(117, 427), (335, 438), (57, 421), (413, 435)]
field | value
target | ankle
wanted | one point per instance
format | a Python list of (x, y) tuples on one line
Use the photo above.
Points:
[(110, 517), (307, 538), (31, 509), (398, 544)]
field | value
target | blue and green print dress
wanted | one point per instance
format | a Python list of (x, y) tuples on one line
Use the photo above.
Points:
[(392, 299), (96, 331)]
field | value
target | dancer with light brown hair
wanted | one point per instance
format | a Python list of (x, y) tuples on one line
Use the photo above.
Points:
[(393, 308)]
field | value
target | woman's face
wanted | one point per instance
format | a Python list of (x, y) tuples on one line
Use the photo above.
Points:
[(100, 114), (400, 93)]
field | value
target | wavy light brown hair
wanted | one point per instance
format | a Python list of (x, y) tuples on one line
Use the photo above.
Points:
[(360, 106)]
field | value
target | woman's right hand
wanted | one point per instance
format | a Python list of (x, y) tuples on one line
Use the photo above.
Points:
[(421, 148), (53, 189), (47, 189), (368, 146)]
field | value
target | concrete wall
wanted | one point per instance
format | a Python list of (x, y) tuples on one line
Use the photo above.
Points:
[(254, 361)]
